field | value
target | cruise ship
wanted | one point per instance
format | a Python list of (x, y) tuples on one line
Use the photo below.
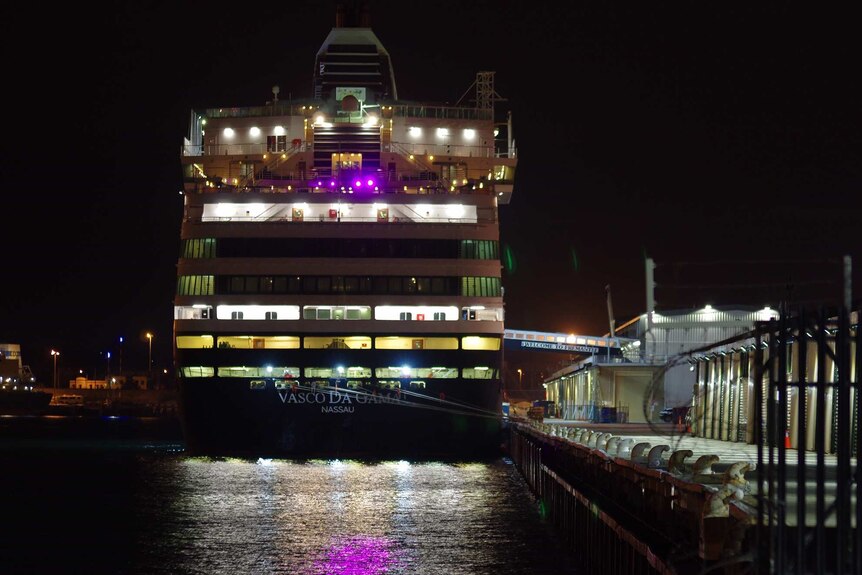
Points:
[(339, 285)]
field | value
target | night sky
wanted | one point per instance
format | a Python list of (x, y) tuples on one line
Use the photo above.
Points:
[(720, 140)]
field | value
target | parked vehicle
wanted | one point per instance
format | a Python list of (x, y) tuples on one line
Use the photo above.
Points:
[(674, 414)]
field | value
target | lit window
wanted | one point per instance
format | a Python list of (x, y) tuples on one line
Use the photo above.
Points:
[(276, 143)]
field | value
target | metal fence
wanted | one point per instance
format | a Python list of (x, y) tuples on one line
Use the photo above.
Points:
[(808, 511)]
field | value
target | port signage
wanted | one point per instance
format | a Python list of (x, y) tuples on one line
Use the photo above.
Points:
[(560, 347)]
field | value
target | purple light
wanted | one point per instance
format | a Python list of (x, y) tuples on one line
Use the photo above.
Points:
[(331, 183), (360, 555), (357, 184), (370, 182)]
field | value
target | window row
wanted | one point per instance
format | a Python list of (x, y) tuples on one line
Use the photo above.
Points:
[(322, 285), (361, 342), (206, 248), (339, 313), (290, 375)]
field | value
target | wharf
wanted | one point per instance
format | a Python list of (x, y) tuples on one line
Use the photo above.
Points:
[(655, 499), (677, 438)]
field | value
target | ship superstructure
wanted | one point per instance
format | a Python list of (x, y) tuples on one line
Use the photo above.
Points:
[(339, 287)]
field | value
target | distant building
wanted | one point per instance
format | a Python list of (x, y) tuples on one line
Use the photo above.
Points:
[(140, 381), (84, 383)]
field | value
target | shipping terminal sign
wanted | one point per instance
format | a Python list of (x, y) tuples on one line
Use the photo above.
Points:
[(552, 346)]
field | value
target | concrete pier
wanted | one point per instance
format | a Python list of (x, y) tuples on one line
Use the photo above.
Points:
[(655, 499)]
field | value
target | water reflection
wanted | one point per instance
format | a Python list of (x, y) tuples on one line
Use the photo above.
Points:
[(148, 512), (326, 517), (357, 556)]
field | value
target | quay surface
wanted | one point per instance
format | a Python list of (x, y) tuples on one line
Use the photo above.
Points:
[(675, 436), (653, 498)]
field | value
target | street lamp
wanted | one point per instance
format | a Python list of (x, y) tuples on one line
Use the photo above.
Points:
[(520, 376), (55, 354), (150, 353)]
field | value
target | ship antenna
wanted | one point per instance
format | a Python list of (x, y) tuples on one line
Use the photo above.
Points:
[(486, 95)]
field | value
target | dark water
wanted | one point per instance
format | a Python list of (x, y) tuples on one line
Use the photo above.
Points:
[(114, 502)]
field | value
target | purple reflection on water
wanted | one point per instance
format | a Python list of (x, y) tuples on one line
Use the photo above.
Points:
[(359, 555)]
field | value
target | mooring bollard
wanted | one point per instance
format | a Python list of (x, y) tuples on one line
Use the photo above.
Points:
[(654, 459)]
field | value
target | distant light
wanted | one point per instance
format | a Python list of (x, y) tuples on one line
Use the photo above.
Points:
[(278, 130), (442, 132), (228, 132), (254, 131), (469, 134), (414, 131)]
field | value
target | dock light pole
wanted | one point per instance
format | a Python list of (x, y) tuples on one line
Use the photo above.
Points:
[(150, 354), (520, 376), (55, 354)]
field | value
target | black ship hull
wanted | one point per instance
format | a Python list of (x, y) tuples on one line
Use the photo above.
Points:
[(27, 402), (224, 418)]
